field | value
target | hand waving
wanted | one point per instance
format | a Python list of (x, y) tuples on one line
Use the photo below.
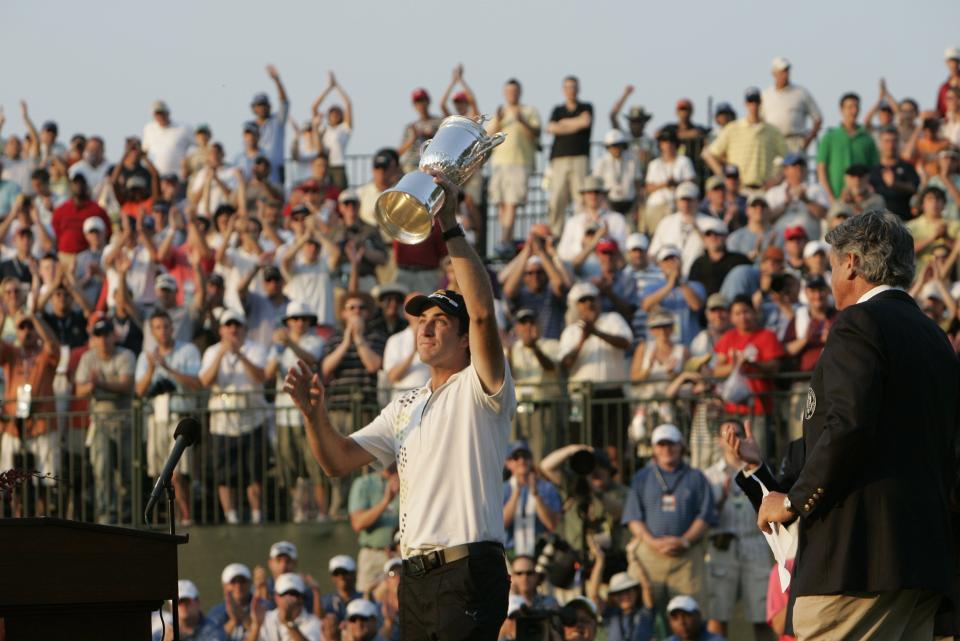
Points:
[(746, 448), (305, 388)]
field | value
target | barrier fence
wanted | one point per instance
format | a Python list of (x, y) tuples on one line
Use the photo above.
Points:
[(102, 459)]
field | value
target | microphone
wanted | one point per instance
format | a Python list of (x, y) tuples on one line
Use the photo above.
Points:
[(186, 434)]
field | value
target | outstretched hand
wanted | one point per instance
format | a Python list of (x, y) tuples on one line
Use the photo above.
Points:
[(305, 388), (746, 448)]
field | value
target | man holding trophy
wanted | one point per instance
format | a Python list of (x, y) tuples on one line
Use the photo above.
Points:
[(448, 438)]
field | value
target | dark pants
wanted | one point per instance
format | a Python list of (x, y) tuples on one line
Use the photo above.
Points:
[(463, 600)]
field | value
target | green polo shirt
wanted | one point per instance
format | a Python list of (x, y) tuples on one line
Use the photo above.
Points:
[(365, 492), (838, 150)]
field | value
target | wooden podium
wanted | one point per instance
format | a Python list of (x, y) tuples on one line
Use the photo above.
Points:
[(69, 580)]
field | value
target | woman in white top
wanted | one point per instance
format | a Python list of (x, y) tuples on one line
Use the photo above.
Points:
[(656, 362), (664, 173), (335, 135)]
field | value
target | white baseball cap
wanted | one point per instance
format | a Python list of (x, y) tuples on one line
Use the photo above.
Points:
[(342, 562), (713, 224), (391, 564), (283, 547), (666, 432), (584, 601), (290, 582), (187, 589), (94, 223), (668, 251), (614, 137), (687, 190), (952, 53), (622, 581), (930, 290), (515, 603), (533, 260), (299, 309), (581, 290), (230, 314), (780, 63), (683, 602), (362, 608), (814, 246), (636, 240), (233, 571)]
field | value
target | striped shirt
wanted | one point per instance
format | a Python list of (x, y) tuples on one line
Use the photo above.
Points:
[(351, 373), (752, 147)]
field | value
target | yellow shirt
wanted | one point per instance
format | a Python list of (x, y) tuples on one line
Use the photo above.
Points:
[(752, 147), (519, 147), (924, 228)]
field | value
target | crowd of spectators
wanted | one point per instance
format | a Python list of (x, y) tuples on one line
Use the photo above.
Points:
[(677, 275)]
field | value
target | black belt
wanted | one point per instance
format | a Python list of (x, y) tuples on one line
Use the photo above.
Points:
[(422, 563)]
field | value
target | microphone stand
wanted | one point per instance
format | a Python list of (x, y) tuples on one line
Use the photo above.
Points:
[(175, 604)]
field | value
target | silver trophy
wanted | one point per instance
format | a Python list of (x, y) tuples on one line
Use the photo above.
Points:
[(457, 151)]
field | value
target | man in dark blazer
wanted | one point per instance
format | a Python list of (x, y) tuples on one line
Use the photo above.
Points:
[(876, 550)]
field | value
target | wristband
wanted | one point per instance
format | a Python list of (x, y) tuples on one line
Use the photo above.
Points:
[(452, 233)]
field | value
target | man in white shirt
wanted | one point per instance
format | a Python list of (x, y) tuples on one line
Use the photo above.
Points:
[(401, 362), (215, 184), (290, 621), (796, 201), (787, 107), (167, 376), (165, 142), (682, 229), (583, 231), (94, 167), (449, 441), (594, 348), (234, 370)]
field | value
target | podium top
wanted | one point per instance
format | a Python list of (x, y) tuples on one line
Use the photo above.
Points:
[(52, 522), (50, 561)]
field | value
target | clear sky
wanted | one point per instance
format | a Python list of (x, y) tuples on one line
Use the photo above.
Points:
[(96, 66)]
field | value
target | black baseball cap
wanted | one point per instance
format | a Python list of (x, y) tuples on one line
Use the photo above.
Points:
[(815, 282), (102, 327), (446, 299), (858, 170), (384, 156)]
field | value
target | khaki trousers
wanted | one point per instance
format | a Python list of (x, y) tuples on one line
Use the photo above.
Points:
[(903, 615), (673, 575), (567, 174)]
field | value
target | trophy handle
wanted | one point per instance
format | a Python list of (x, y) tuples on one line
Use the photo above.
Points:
[(487, 144)]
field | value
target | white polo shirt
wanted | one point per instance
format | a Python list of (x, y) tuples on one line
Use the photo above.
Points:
[(449, 446), (272, 630), (598, 360), (787, 109), (237, 405)]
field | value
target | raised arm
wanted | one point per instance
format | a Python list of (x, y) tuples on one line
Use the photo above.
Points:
[(336, 453), (486, 350), (275, 76), (618, 106), (31, 128)]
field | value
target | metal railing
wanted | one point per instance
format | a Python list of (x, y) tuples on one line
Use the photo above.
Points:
[(253, 454)]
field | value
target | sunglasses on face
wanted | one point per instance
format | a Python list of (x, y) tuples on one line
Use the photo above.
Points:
[(356, 617), (520, 456), (233, 323)]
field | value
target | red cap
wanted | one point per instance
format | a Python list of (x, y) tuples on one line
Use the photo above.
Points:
[(684, 103), (794, 233), (419, 94), (607, 245), (461, 96), (310, 184)]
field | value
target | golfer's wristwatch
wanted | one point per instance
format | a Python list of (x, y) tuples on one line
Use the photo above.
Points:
[(787, 505)]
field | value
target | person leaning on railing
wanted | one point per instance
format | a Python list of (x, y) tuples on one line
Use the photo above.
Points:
[(105, 374)]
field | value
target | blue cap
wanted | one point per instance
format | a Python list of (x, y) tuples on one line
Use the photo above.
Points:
[(725, 108), (260, 99), (518, 446), (251, 127), (794, 158), (751, 94)]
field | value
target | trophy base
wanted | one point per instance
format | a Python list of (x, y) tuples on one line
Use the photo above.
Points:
[(406, 211)]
